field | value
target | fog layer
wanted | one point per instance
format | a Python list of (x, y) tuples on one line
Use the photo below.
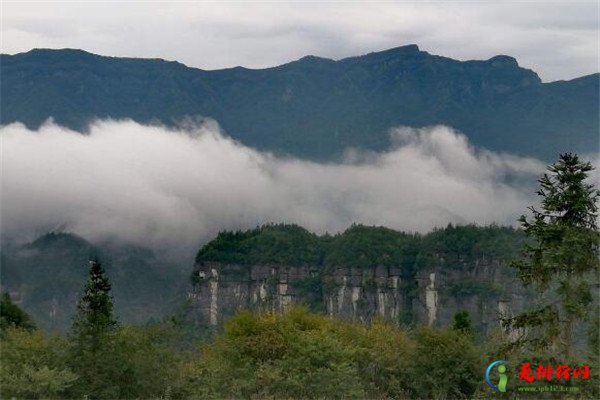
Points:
[(177, 188)]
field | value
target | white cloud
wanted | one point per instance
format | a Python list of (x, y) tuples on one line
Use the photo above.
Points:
[(163, 187), (559, 40)]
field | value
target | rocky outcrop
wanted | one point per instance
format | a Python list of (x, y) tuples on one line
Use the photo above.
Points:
[(488, 290), (431, 296)]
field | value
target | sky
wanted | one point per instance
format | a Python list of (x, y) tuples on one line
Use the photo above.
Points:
[(558, 40)]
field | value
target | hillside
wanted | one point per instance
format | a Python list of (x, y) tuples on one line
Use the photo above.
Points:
[(46, 277), (313, 107)]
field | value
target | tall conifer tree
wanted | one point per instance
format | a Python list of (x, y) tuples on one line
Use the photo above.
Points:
[(93, 338), (561, 261), (95, 308)]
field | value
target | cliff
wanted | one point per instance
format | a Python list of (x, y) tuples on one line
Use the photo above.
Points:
[(424, 282)]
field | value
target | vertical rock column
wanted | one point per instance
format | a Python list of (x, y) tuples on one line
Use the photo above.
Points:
[(214, 297), (431, 300)]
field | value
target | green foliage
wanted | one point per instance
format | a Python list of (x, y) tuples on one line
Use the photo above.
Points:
[(95, 308), (32, 366), (93, 338), (270, 244), (303, 356), (138, 363), (562, 260), (12, 316), (454, 247), (363, 246), (117, 362), (448, 366), (146, 362), (462, 323), (297, 355), (272, 356), (459, 245), (384, 355), (57, 255)]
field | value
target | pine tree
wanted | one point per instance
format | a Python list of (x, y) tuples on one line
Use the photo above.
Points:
[(95, 309), (93, 337), (561, 260)]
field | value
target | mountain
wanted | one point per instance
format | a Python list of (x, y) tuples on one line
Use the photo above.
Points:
[(361, 274), (45, 277), (313, 107)]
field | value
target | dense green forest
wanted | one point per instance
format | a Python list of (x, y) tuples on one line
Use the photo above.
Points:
[(360, 246), (297, 355), (269, 244)]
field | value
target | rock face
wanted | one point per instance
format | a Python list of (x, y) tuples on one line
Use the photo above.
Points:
[(222, 289), (485, 289)]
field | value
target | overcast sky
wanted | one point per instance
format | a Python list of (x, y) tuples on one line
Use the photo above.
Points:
[(559, 40)]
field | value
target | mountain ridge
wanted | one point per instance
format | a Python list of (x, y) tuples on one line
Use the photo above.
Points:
[(398, 50), (312, 107)]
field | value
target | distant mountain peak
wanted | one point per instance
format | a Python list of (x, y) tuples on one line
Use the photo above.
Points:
[(308, 61), (503, 61), (406, 49), (311, 58)]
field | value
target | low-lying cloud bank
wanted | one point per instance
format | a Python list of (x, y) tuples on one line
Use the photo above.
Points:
[(161, 187)]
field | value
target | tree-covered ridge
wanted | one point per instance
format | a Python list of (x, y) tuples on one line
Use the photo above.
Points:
[(362, 246), (456, 245), (268, 244), (368, 246)]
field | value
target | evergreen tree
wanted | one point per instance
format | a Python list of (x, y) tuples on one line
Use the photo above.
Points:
[(95, 309), (561, 260), (93, 337)]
